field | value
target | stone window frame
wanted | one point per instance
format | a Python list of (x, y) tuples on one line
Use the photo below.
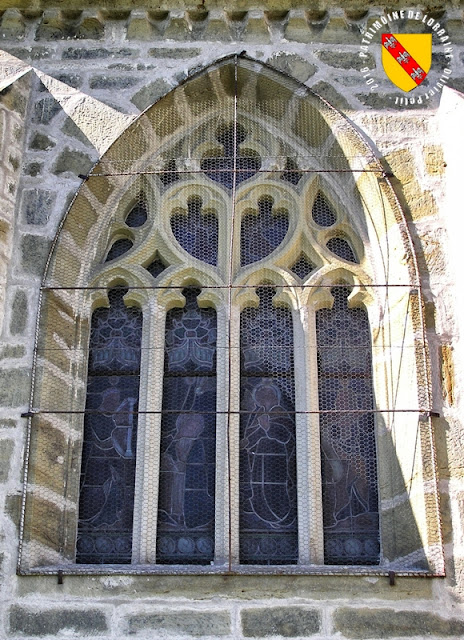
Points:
[(43, 549)]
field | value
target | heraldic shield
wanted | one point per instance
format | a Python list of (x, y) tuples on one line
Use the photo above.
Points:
[(406, 58)]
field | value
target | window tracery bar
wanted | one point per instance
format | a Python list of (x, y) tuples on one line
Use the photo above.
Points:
[(267, 483), (110, 432), (188, 436), (349, 464)]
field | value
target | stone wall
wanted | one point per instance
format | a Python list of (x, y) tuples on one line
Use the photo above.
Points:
[(85, 75)]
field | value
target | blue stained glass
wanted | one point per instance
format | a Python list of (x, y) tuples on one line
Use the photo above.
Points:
[(262, 233), (349, 464), (267, 483), (197, 232), (188, 436), (243, 164), (110, 434)]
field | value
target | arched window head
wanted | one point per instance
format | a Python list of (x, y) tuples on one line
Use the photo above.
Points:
[(265, 417)]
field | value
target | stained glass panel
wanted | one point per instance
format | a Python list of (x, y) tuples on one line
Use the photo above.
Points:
[(110, 431), (349, 465), (262, 233), (188, 436), (234, 159), (267, 485), (197, 232), (342, 248)]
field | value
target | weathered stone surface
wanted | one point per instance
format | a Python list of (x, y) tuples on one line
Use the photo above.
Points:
[(188, 623), (71, 129), (13, 99), (41, 142), (346, 60), (434, 161), (7, 423), (31, 53), (6, 451), (112, 82), (141, 29), (90, 29), (217, 30), (33, 169), (298, 30), (335, 98), (12, 351), (256, 31), (34, 251), (385, 623), (288, 622), (38, 205), (12, 25), (45, 110), (58, 621), (80, 53), (71, 79), (177, 29), (73, 161), (13, 507), (174, 53), (150, 93), (14, 387), (293, 65)]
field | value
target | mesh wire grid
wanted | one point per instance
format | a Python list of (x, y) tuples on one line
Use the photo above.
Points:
[(223, 361)]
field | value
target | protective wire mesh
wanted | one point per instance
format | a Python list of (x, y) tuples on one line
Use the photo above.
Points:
[(226, 366)]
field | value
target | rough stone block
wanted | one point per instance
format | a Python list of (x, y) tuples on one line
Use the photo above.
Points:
[(385, 623), (80, 53), (72, 79), (90, 29), (45, 110), (13, 351), (31, 53), (37, 205), (195, 624), (113, 82), (141, 29), (217, 31), (177, 29), (174, 53), (150, 93), (256, 31), (13, 100), (41, 142), (298, 30), (14, 387), (289, 622), (57, 621), (34, 251), (12, 25), (33, 169), (327, 91), (73, 161), (293, 65), (6, 451), (434, 161), (344, 60)]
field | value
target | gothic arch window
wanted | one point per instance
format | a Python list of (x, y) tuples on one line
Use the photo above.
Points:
[(230, 370)]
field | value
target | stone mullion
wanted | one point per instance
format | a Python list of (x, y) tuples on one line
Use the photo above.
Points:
[(234, 431), (222, 523), (309, 460), (149, 436)]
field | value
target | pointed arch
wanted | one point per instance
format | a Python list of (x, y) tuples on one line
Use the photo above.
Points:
[(228, 136)]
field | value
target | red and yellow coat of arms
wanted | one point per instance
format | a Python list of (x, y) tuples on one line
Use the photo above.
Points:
[(406, 58)]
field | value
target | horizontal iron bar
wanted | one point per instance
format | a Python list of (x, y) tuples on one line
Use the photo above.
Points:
[(234, 286), (34, 412)]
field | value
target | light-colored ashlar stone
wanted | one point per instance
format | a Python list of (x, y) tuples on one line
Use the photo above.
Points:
[(384, 623), (289, 622), (197, 624)]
